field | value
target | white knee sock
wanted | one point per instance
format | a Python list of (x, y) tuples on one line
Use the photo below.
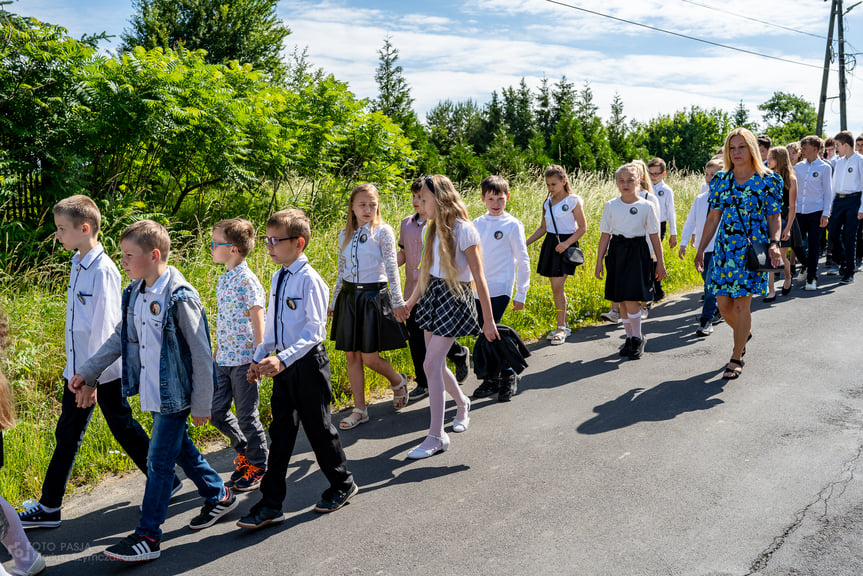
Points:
[(627, 327), (635, 319)]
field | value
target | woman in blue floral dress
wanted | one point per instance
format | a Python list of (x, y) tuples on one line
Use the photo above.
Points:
[(747, 199)]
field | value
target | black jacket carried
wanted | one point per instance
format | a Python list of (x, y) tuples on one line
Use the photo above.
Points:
[(489, 357)]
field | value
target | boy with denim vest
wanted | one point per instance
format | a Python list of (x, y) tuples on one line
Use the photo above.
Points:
[(92, 311), (294, 356), (239, 330), (164, 341)]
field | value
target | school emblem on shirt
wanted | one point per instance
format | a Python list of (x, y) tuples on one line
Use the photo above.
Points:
[(633, 210), (498, 235), (363, 238), (155, 308), (565, 207), (850, 169), (661, 193), (290, 303), (815, 174)]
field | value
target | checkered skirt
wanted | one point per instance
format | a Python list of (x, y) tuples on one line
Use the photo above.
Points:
[(446, 314)]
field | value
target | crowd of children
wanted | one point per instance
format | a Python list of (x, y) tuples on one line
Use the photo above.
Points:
[(152, 339)]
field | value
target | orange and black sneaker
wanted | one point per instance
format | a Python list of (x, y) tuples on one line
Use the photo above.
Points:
[(240, 465), (251, 480)]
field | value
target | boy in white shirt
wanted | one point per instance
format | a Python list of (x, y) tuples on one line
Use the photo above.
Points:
[(505, 262), (847, 202), (814, 200), (693, 229), (656, 169), (92, 311)]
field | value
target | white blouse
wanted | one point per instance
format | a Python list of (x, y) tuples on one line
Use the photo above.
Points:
[(370, 256), (465, 235), (563, 215)]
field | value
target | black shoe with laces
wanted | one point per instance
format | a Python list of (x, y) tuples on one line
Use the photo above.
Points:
[(260, 516), (332, 500), (418, 393), (134, 548), (717, 319), (486, 389), (637, 347), (211, 513), (626, 351), (705, 328)]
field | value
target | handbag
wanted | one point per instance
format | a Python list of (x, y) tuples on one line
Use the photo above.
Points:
[(573, 254), (757, 257)]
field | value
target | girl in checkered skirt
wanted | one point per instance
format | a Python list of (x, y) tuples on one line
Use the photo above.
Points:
[(443, 303), (367, 305)]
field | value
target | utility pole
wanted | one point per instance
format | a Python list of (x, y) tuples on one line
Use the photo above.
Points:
[(826, 75), (840, 15)]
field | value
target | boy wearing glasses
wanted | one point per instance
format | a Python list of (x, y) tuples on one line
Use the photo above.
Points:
[(294, 356), (239, 330), (656, 169)]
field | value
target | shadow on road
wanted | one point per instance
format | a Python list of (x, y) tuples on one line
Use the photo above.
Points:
[(663, 402)]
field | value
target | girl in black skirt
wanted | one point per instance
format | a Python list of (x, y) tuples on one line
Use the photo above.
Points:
[(563, 219), (367, 305), (625, 223), (445, 306), (28, 562), (778, 161)]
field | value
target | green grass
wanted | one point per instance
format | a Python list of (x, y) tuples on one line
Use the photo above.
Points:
[(34, 302)]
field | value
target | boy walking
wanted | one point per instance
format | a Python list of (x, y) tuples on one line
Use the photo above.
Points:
[(847, 202), (164, 341), (239, 330), (92, 311), (505, 262), (656, 169), (411, 239), (300, 368), (814, 201)]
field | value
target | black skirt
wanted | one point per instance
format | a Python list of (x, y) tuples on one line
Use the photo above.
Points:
[(628, 270), (552, 264), (796, 240), (363, 319), (446, 314)]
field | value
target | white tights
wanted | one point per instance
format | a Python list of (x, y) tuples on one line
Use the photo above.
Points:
[(440, 379), (16, 541)]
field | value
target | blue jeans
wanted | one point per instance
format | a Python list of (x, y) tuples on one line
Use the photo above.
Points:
[(169, 444), (708, 311)]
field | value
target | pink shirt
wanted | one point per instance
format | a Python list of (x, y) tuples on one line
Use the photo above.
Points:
[(411, 235)]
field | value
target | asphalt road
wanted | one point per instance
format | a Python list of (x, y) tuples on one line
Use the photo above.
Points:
[(598, 466)]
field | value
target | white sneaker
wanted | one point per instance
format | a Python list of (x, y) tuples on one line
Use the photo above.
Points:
[(611, 316), (811, 286), (832, 271), (801, 276), (645, 312)]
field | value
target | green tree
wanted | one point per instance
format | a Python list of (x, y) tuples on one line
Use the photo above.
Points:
[(245, 30), (688, 138), (789, 117), (394, 95), (619, 132), (740, 118), (518, 113), (543, 111)]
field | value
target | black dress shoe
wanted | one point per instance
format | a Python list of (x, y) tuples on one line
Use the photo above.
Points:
[(769, 299), (787, 291)]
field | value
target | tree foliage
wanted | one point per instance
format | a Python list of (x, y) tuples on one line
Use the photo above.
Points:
[(789, 117), (688, 138), (244, 30)]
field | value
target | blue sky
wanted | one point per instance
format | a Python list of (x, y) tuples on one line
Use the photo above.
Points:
[(465, 49)]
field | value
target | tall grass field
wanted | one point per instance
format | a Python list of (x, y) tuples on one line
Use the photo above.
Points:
[(34, 302)]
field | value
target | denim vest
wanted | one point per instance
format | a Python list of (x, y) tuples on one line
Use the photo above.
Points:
[(175, 364)]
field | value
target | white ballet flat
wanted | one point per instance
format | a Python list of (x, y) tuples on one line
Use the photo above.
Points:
[(461, 424), (419, 453)]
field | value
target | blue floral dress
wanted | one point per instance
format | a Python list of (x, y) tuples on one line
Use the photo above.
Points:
[(744, 208)]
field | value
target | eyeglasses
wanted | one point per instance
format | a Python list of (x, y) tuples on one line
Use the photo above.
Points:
[(214, 244), (273, 241), (654, 173)]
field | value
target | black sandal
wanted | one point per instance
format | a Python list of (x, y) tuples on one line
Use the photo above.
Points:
[(744, 347), (733, 373)]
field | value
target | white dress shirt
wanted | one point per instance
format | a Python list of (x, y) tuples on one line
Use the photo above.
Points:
[(149, 319), (814, 186), (370, 256), (653, 200), (504, 255), (665, 195), (696, 219), (465, 235), (93, 310), (629, 220), (848, 176), (296, 314)]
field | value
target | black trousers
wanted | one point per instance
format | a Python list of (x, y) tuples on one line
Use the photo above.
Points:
[(302, 393), (810, 227), (70, 430), (843, 230), (417, 343)]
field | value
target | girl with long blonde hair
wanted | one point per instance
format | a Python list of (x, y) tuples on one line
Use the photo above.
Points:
[(778, 160), (367, 305), (445, 306)]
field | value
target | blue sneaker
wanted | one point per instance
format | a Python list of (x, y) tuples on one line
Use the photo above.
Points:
[(34, 516)]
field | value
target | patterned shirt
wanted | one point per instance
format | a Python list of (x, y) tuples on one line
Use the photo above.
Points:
[(238, 291)]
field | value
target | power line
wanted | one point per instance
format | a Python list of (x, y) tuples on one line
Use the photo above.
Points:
[(745, 17), (680, 35)]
